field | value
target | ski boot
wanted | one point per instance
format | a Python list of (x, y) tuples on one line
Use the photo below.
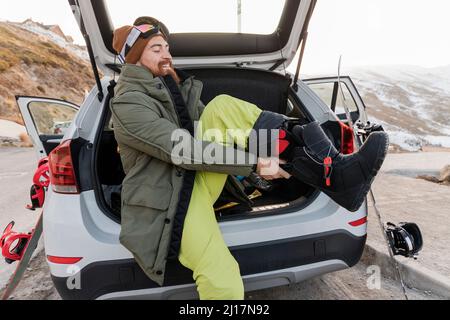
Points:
[(346, 179), (405, 239)]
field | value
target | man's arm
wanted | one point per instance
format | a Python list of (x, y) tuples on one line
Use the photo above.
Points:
[(141, 127)]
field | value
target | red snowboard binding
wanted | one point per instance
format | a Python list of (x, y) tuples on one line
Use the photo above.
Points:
[(12, 244), (41, 181)]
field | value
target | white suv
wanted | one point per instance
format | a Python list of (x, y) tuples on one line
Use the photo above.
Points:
[(288, 235)]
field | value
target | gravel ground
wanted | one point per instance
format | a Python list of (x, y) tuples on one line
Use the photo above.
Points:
[(403, 198)]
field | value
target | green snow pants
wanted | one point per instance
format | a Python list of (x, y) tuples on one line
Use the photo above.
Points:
[(203, 249)]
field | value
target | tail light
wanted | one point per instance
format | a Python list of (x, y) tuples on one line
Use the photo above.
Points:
[(62, 174), (63, 260), (347, 136), (359, 222)]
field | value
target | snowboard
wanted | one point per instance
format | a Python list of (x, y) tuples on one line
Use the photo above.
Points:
[(22, 265)]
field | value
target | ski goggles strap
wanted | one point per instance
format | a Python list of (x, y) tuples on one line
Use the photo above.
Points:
[(144, 31)]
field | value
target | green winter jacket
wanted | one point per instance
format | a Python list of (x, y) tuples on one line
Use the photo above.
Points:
[(155, 192)]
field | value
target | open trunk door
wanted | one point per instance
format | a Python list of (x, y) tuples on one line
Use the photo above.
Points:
[(46, 121), (191, 49)]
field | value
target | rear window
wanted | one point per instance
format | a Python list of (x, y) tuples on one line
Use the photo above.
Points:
[(202, 16)]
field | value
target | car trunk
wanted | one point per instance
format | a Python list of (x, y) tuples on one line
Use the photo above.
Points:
[(263, 49), (268, 90)]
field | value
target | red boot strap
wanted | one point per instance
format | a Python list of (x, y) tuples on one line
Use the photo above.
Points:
[(282, 143), (328, 169)]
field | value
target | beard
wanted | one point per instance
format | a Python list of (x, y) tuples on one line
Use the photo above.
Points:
[(165, 70)]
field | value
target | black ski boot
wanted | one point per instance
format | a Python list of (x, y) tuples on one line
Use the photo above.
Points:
[(346, 179)]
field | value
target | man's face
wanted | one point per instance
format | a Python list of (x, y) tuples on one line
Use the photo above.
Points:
[(156, 57)]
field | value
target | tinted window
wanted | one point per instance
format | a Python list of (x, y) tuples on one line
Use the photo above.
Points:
[(51, 118), (326, 91), (181, 16)]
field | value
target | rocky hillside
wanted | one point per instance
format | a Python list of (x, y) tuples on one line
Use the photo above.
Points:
[(35, 61)]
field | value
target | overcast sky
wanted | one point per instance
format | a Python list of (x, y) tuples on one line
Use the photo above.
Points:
[(365, 32)]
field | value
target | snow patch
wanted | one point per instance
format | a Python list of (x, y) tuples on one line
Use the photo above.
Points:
[(57, 39), (440, 141), (12, 130), (405, 140)]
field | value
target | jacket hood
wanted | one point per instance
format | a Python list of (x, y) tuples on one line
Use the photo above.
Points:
[(139, 78)]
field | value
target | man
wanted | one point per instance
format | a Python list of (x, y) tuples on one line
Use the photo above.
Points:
[(168, 197)]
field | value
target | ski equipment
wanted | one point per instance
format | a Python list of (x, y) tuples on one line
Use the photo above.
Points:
[(26, 255), (346, 179), (12, 243), (405, 239), (41, 181), (398, 240), (21, 246)]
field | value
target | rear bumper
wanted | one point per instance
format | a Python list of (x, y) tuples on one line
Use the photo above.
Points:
[(262, 265)]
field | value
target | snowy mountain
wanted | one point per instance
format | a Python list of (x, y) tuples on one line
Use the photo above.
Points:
[(49, 33), (412, 103)]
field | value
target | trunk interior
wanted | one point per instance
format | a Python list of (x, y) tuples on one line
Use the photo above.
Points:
[(268, 90)]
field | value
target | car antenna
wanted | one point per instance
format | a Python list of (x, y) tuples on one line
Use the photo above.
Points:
[(91, 54), (344, 100)]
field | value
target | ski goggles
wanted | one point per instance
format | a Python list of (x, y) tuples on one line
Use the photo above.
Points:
[(144, 31)]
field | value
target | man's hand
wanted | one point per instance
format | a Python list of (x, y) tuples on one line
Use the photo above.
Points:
[(269, 169)]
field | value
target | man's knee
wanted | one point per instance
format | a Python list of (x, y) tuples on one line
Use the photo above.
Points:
[(222, 98), (219, 103)]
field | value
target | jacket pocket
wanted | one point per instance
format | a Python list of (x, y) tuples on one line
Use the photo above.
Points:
[(147, 196)]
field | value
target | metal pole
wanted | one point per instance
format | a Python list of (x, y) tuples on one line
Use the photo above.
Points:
[(239, 15)]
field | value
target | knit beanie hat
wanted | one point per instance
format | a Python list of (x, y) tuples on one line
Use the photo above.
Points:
[(148, 28)]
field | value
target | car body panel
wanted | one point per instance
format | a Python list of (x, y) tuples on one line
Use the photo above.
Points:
[(251, 283), (95, 237)]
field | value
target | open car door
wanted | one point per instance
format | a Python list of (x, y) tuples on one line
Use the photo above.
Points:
[(329, 92), (46, 121)]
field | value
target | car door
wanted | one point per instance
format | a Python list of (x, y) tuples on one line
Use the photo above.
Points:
[(46, 121), (329, 91)]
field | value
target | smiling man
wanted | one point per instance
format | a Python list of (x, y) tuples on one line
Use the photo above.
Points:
[(168, 197), (167, 209)]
